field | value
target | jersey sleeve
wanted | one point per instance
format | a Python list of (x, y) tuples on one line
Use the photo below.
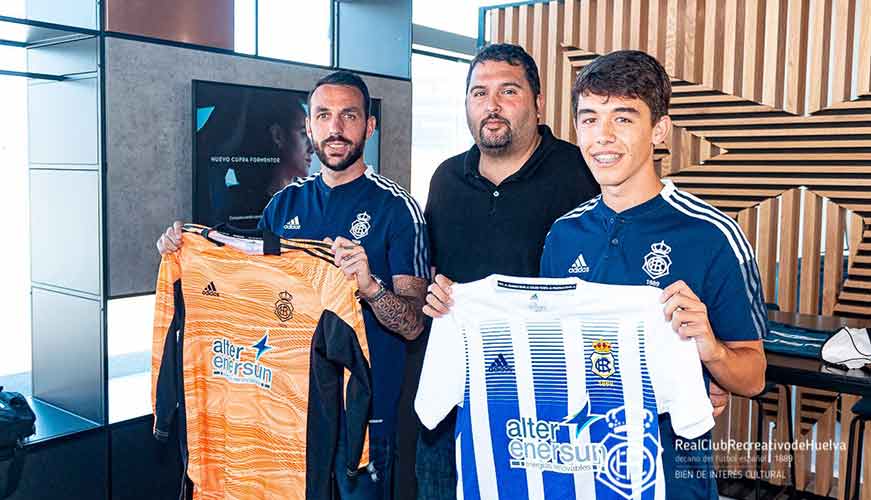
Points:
[(732, 293), (676, 375), (335, 349), (168, 324), (443, 377), (408, 247)]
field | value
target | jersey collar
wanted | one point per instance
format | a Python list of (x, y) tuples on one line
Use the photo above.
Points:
[(645, 209), (350, 186)]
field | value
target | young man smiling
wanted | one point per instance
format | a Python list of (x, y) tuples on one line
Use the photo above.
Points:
[(643, 232)]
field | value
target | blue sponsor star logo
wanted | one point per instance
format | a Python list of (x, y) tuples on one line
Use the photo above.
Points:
[(582, 419), (262, 347)]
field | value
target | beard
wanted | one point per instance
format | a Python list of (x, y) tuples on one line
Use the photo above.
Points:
[(353, 155), (497, 142)]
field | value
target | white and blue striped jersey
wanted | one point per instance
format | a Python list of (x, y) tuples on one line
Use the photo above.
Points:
[(559, 383)]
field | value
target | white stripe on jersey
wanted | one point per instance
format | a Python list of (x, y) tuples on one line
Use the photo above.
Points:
[(420, 251), (526, 397), (299, 181), (581, 209), (483, 445), (576, 387), (701, 210), (633, 401)]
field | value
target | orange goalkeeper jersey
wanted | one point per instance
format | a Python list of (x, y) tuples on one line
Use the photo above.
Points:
[(254, 357)]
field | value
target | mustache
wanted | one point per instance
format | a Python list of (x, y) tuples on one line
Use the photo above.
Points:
[(337, 138), (495, 116)]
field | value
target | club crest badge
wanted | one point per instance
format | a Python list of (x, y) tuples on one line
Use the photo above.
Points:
[(602, 360), (284, 306), (657, 263), (360, 227)]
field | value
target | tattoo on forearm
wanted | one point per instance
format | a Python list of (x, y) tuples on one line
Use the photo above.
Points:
[(401, 311)]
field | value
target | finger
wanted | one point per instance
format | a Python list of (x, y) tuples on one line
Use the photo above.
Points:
[(432, 313), (356, 262), (341, 242), (444, 282), (716, 389), (676, 287), (434, 303), (682, 302), (439, 293), (683, 318), (718, 410), (690, 331)]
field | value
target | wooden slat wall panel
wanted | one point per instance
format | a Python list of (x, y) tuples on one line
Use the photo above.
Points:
[(589, 27), (511, 25), (774, 65), (789, 221), (833, 268), (712, 72), (856, 226), (739, 430), (864, 73), (539, 42), (620, 38), (673, 61), (842, 65), (810, 255), (497, 26), (567, 127), (796, 56), (553, 77), (820, 29), (749, 221), (694, 39), (571, 23), (657, 30), (604, 29), (766, 250), (733, 52), (638, 24), (525, 27), (754, 49)]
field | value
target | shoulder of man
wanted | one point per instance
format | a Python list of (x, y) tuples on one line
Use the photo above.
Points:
[(400, 201), (453, 165)]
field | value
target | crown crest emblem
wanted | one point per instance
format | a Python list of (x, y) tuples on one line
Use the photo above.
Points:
[(285, 297), (602, 347), (364, 217), (660, 248)]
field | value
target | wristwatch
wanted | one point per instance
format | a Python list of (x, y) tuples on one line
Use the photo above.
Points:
[(377, 295)]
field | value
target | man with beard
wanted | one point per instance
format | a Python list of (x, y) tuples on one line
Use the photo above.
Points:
[(377, 231), (490, 207)]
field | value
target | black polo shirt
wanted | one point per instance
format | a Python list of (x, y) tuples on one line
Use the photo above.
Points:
[(477, 228)]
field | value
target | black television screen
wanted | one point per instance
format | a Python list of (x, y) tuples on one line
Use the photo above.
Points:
[(248, 143)]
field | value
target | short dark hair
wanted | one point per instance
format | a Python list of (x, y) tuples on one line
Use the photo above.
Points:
[(513, 55), (625, 73), (343, 78)]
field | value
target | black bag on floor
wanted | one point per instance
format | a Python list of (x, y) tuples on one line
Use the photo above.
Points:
[(16, 423)]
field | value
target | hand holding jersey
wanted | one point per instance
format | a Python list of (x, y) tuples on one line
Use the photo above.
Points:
[(351, 258)]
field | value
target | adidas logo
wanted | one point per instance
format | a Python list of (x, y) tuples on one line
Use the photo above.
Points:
[(580, 266), (292, 223), (211, 290), (499, 365)]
